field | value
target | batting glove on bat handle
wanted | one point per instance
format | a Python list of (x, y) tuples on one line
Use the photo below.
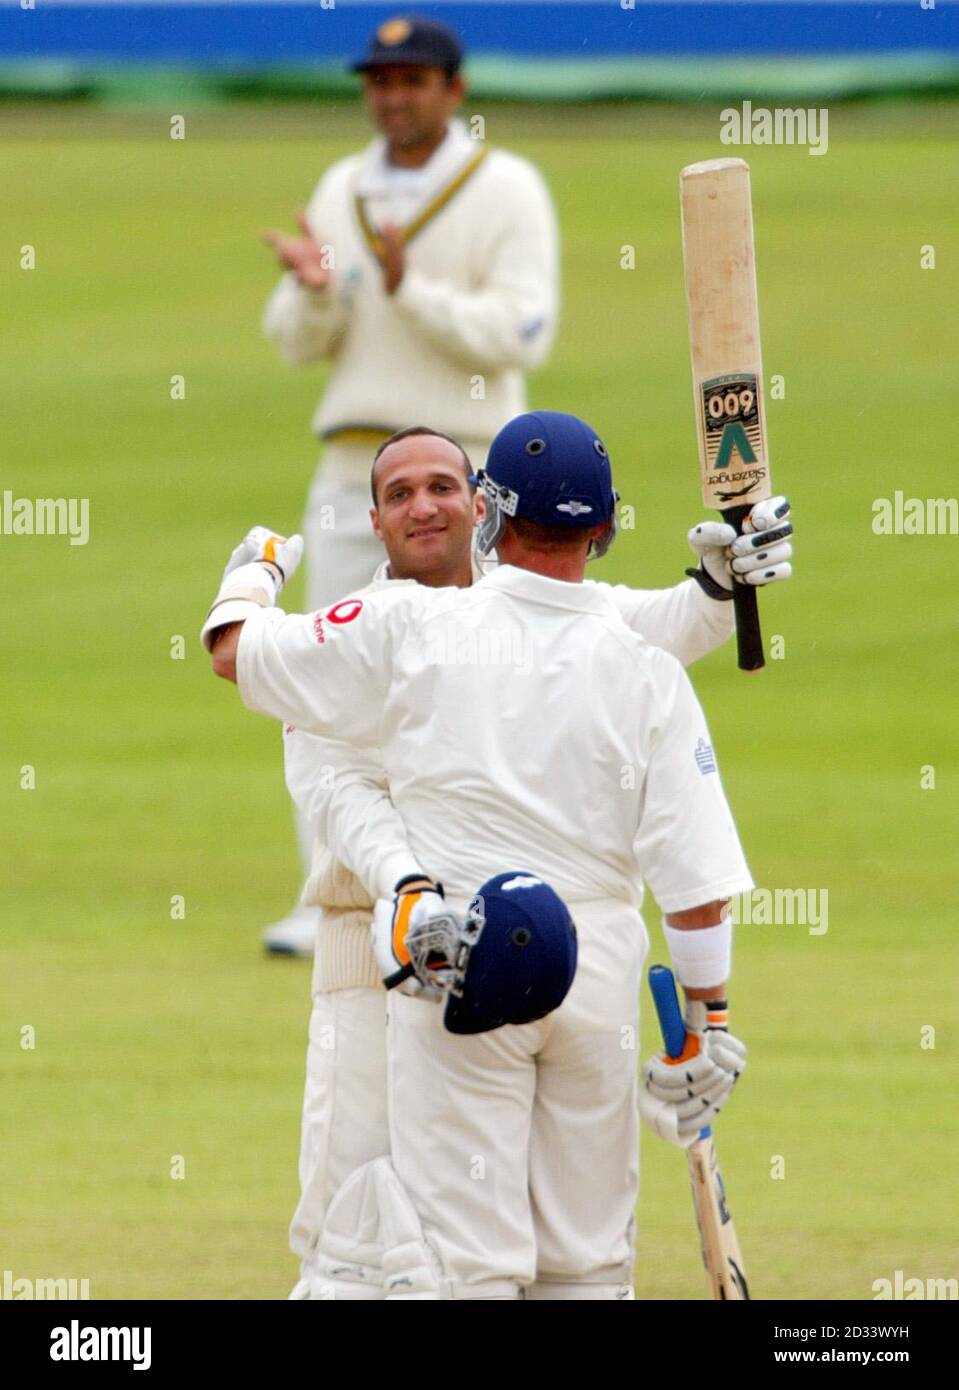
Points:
[(687, 1086), (760, 555)]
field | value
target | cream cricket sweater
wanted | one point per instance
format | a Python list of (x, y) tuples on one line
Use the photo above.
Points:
[(476, 308)]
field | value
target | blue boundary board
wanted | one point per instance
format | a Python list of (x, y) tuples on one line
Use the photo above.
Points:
[(258, 34)]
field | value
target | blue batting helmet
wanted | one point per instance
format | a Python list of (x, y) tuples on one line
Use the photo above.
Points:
[(550, 468), (520, 955)]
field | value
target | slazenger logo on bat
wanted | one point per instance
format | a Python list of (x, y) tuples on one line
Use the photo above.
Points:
[(738, 492), (752, 478), (755, 476)]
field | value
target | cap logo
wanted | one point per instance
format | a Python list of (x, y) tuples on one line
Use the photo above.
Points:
[(394, 31), (574, 508), (521, 881)]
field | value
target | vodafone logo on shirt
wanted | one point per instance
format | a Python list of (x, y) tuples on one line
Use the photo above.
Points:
[(345, 611)]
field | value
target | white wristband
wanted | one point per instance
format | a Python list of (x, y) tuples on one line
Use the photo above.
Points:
[(701, 956)]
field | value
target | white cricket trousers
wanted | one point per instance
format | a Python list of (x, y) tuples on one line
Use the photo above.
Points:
[(519, 1148), (344, 1104)]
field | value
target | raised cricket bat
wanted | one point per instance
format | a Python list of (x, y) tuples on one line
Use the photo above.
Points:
[(720, 264), (717, 1234)]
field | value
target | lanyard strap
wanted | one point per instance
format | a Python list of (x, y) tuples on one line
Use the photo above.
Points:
[(436, 205)]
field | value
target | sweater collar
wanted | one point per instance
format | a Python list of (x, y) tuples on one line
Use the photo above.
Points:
[(377, 175)]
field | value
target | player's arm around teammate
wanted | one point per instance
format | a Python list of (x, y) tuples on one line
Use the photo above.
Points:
[(685, 842), (423, 508)]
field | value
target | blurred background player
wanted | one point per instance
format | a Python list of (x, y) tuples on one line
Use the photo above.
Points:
[(426, 273)]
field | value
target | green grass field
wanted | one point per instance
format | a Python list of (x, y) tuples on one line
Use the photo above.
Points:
[(157, 1037)]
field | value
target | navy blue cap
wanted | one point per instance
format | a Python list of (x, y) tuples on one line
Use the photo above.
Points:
[(411, 39), (523, 963), (553, 469)]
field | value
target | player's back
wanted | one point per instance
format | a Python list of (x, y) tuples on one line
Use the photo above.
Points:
[(518, 722), (518, 719)]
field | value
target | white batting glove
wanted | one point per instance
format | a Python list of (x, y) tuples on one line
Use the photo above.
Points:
[(682, 1095), (261, 544), (758, 557), (414, 904), (254, 577)]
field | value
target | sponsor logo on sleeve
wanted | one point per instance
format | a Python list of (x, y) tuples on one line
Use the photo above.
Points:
[(705, 758), (345, 611)]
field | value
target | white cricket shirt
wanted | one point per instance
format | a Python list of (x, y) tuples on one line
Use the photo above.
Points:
[(522, 725)]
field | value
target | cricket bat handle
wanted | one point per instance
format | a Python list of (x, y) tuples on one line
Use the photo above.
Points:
[(749, 637), (671, 1023), (720, 1248)]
